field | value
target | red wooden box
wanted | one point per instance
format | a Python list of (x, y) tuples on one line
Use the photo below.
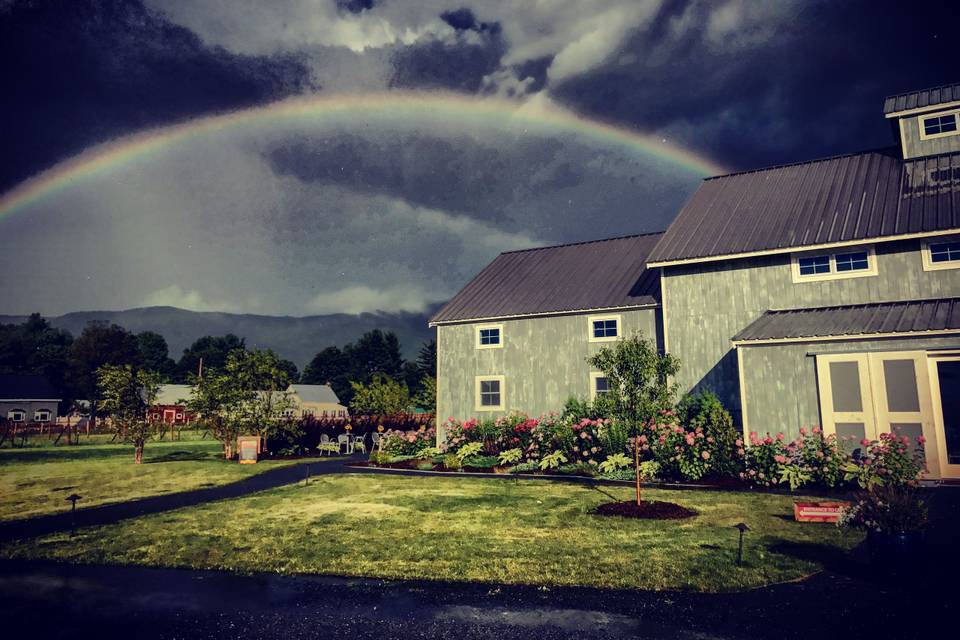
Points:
[(818, 511)]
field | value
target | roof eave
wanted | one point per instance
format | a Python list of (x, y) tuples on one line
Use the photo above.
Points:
[(795, 249), (561, 312)]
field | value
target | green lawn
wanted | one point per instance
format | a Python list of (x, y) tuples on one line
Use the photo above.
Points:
[(36, 480), (526, 532)]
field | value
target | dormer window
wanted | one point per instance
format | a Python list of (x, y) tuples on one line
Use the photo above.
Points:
[(834, 266), (938, 125)]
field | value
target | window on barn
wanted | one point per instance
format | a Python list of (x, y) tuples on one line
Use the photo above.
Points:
[(941, 255), (489, 393), (16, 415), (603, 328), (41, 415), (834, 266), (489, 336)]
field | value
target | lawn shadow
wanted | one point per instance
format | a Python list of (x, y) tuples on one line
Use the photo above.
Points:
[(836, 560), (179, 456)]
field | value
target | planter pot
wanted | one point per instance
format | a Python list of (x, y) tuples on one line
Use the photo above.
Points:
[(896, 552)]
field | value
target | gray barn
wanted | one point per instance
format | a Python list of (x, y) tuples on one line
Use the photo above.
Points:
[(817, 293)]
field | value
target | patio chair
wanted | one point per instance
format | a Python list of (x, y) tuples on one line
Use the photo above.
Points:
[(344, 439), (360, 442), (325, 443), (375, 436)]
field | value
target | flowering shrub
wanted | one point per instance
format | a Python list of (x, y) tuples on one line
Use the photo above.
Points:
[(704, 411), (685, 453), (587, 447), (765, 460), (892, 509), (889, 461), (409, 443)]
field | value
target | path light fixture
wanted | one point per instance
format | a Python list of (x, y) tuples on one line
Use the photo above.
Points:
[(72, 499), (741, 527)]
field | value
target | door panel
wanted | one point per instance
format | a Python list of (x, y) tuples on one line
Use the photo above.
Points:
[(891, 390)]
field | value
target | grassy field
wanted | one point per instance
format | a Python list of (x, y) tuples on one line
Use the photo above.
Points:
[(36, 480), (526, 532)]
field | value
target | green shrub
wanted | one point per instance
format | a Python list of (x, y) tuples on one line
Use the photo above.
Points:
[(525, 467), (467, 451), (425, 466), (510, 456), (615, 462), (451, 462), (577, 469), (649, 470), (379, 457), (481, 462), (614, 436), (619, 474), (575, 410), (552, 460), (704, 411)]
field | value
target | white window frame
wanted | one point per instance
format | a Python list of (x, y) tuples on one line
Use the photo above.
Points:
[(478, 406), (593, 383), (46, 412), (833, 274), (929, 264), (924, 136), (592, 319), (12, 418), (498, 327)]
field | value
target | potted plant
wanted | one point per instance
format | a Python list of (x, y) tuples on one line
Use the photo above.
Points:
[(894, 517)]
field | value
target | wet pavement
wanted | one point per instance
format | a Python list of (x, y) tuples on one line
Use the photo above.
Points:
[(48, 600)]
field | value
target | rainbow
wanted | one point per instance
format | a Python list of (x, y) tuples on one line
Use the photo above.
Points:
[(393, 105)]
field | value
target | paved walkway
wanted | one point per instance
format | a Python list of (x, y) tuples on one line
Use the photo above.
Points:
[(110, 513), (45, 600)]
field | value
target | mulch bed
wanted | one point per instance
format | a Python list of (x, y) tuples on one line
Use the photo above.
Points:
[(647, 510)]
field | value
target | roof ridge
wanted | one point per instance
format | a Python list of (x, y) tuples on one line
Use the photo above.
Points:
[(801, 162), (907, 93), (865, 304), (573, 244)]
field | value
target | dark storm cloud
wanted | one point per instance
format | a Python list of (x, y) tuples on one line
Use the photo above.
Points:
[(354, 6), (80, 72), (810, 85)]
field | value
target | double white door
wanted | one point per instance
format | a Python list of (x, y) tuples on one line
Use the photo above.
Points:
[(908, 393)]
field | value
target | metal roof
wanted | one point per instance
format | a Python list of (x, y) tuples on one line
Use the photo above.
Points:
[(854, 197), (910, 316), (602, 274), (25, 386), (314, 393), (922, 98)]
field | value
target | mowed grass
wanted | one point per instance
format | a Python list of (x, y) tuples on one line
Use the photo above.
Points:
[(525, 532), (36, 480)]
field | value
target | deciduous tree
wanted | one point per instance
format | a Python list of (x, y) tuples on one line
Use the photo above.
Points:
[(638, 378), (126, 395)]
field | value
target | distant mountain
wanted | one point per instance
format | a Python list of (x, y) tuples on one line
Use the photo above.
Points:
[(294, 338)]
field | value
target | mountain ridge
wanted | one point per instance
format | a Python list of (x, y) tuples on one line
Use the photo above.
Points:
[(296, 338)]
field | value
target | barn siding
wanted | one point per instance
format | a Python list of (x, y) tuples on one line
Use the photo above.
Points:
[(707, 304), (914, 147), (780, 380), (542, 358)]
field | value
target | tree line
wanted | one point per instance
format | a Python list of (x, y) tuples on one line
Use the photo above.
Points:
[(369, 375)]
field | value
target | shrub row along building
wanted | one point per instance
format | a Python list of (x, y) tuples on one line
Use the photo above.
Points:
[(818, 293)]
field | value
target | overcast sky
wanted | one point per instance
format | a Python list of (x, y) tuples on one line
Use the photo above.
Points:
[(378, 211)]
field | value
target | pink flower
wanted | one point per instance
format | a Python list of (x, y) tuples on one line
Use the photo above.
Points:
[(739, 442), (803, 431), (768, 440), (689, 438), (816, 429), (865, 442), (643, 439), (780, 436), (819, 454), (921, 440), (705, 455), (741, 452), (780, 459), (753, 472)]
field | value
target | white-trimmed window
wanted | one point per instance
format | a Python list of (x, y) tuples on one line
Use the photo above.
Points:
[(853, 262), (489, 393), (41, 415), (16, 415), (489, 336), (941, 255), (603, 328), (599, 384), (939, 125), (289, 413)]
